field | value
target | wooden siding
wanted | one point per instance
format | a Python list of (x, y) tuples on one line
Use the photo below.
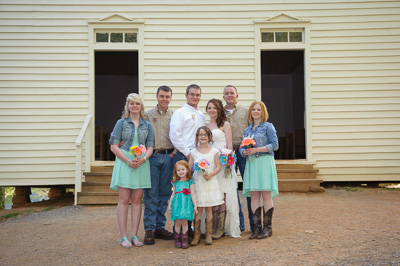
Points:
[(355, 76)]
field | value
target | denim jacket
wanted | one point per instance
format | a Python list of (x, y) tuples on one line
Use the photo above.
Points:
[(264, 135), (125, 130)]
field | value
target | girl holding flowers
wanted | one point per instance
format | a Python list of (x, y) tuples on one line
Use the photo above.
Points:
[(131, 173), (208, 194), (260, 177), (182, 203), (226, 215)]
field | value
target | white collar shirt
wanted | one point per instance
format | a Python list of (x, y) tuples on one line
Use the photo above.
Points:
[(184, 123)]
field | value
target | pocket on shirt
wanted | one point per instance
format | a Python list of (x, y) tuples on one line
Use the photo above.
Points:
[(126, 131)]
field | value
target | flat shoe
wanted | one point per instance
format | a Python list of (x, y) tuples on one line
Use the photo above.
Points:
[(138, 243), (125, 239)]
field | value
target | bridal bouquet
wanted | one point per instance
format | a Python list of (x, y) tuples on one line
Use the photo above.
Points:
[(137, 151), (227, 157), (248, 142)]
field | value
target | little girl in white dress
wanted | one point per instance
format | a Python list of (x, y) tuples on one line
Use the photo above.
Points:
[(207, 188)]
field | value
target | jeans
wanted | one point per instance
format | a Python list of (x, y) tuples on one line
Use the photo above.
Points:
[(241, 163), (156, 198), (178, 156)]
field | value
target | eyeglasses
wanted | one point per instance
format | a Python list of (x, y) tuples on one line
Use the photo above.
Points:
[(203, 135), (194, 95)]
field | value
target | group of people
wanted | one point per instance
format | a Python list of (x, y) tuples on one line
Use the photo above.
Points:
[(179, 168)]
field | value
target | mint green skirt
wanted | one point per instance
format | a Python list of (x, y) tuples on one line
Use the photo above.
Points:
[(127, 177), (260, 175)]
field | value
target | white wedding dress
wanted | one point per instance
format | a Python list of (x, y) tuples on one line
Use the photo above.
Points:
[(228, 185)]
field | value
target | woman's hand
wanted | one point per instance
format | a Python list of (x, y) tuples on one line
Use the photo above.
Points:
[(138, 162), (195, 210), (250, 151)]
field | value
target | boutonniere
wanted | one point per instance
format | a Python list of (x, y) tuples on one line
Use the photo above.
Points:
[(193, 116), (155, 120)]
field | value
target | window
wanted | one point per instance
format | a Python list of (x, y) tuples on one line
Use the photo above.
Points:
[(282, 36), (116, 37)]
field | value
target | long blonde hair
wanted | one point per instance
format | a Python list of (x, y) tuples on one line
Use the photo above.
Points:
[(134, 97)]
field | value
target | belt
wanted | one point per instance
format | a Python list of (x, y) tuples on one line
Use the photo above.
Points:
[(163, 151), (184, 191)]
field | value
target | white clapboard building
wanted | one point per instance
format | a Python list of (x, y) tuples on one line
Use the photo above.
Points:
[(328, 71)]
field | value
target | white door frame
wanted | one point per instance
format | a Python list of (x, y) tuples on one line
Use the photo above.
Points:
[(286, 22), (113, 23)]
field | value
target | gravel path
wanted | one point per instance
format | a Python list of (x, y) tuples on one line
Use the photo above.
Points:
[(337, 227)]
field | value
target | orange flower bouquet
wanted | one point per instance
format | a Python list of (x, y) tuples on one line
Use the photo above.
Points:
[(201, 165), (137, 151), (248, 142)]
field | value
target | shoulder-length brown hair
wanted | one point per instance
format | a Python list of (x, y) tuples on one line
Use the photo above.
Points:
[(264, 112), (186, 165), (208, 132), (221, 118)]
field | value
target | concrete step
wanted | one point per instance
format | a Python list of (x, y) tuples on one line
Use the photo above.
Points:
[(300, 185), (98, 197)]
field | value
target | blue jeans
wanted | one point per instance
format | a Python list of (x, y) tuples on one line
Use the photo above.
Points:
[(178, 156), (241, 163), (156, 198)]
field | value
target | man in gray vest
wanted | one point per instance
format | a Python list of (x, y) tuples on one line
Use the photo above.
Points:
[(237, 117)]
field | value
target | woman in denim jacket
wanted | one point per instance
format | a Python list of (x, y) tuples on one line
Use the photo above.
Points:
[(131, 174), (260, 177)]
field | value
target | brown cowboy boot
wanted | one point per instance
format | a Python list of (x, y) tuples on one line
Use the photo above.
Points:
[(185, 240), (197, 233), (215, 224), (178, 243), (257, 223), (208, 240), (267, 224), (221, 225)]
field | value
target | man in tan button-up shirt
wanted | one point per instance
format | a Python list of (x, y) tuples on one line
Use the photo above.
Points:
[(237, 117), (156, 198)]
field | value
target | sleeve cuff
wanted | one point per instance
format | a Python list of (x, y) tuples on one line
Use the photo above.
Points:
[(186, 152), (269, 147), (114, 141)]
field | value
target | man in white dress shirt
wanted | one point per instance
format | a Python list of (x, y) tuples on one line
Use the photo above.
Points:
[(184, 123), (182, 131)]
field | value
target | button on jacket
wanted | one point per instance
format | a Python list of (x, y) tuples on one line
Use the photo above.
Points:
[(125, 130), (264, 135)]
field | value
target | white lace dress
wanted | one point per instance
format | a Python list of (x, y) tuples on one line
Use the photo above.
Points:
[(208, 192), (229, 187)]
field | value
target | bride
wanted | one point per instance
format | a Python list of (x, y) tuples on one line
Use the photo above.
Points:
[(225, 216)]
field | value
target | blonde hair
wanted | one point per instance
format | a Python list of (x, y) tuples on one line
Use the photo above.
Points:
[(186, 165), (264, 112), (134, 97)]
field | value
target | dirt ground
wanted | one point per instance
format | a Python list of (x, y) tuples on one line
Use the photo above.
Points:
[(337, 227)]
